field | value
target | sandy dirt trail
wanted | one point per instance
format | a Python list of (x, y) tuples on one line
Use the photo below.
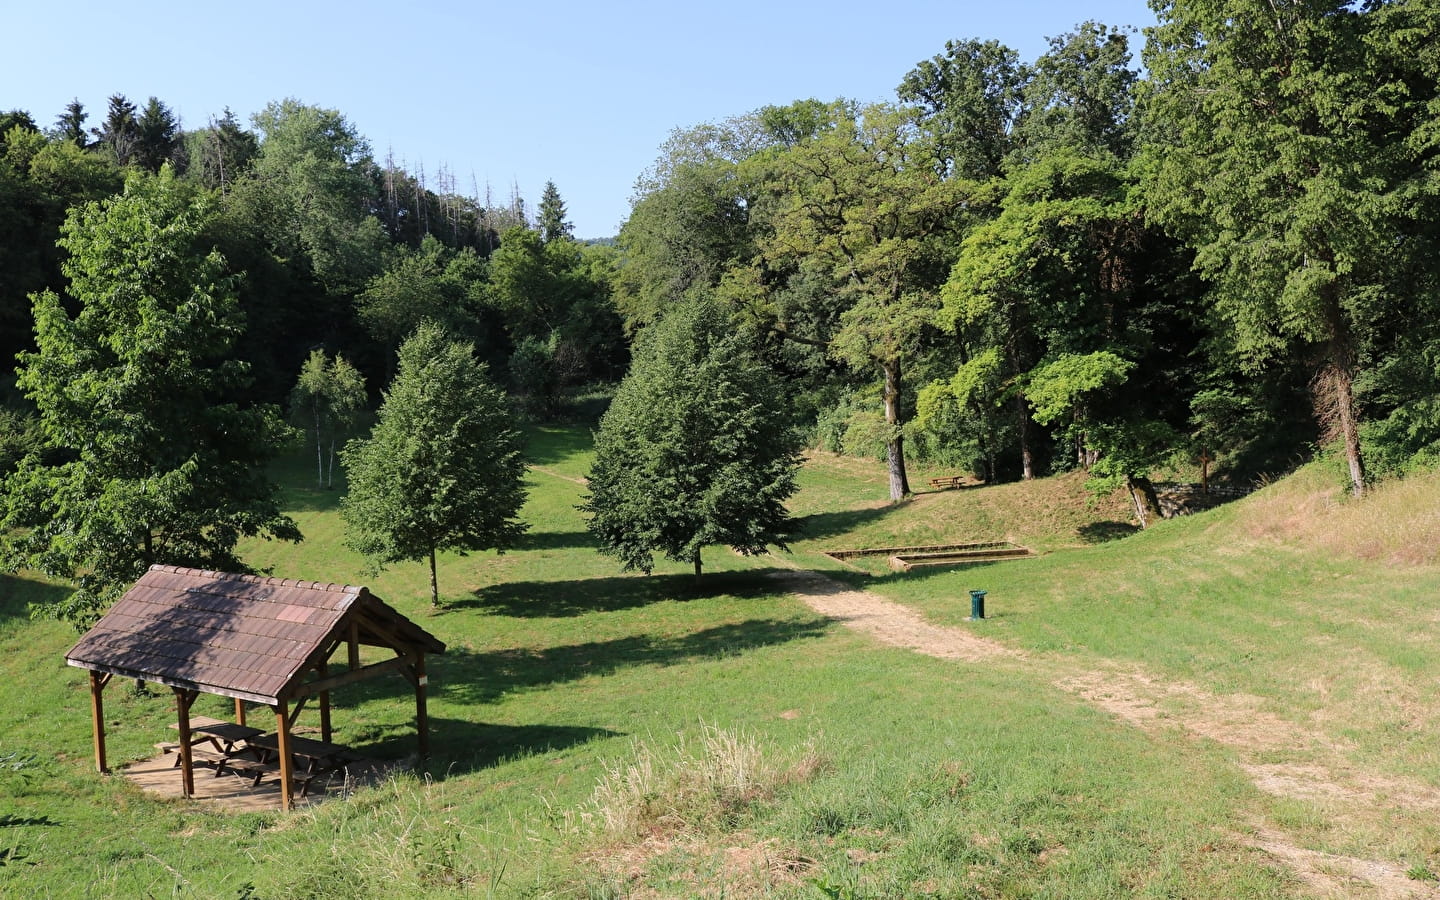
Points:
[(1144, 701)]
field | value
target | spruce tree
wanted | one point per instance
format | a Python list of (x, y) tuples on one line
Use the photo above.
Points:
[(552, 224)]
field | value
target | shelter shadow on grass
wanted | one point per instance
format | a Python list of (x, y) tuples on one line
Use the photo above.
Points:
[(830, 524), (562, 599), (1101, 532), (17, 594), (468, 679), (461, 746)]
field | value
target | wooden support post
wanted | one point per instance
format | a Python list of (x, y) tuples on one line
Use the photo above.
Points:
[(287, 764), (354, 645), (98, 680), (183, 699), (422, 719), (323, 670), (239, 711)]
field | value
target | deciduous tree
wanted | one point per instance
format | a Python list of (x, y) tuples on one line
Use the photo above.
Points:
[(325, 400), (1298, 154), (135, 390), (696, 448), (442, 469)]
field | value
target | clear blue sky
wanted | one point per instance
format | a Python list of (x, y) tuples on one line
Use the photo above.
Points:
[(510, 93)]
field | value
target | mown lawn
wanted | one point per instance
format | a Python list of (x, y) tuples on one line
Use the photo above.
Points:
[(866, 772)]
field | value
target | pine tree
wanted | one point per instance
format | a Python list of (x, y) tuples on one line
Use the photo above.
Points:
[(552, 225)]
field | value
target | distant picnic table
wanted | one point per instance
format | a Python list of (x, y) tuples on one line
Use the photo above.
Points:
[(946, 482)]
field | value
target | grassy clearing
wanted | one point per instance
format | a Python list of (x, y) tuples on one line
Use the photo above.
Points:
[(1319, 606), (599, 734)]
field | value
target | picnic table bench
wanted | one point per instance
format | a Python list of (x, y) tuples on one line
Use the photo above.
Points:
[(947, 481)]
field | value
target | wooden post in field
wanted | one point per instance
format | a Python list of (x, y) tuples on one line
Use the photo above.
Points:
[(322, 670), (422, 718)]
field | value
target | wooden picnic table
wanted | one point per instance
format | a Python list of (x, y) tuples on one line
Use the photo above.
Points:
[(317, 758), (229, 739), (947, 481)]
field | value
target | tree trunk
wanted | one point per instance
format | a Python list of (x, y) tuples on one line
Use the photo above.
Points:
[(319, 455), (895, 443), (697, 567), (434, 585), (1142, 493), (330, 481), (1343, 389), (1027, 460), (1341, 386)]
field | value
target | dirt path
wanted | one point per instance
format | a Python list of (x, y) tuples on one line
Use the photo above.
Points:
[(554, 474), (1154, 705)]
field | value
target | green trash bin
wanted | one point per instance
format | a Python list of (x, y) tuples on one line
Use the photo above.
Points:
[(977, 605)]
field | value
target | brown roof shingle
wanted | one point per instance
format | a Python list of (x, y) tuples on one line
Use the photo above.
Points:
[(235, 635)]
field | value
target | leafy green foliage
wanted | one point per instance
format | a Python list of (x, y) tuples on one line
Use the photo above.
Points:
[(970, 98), (554, 297), (1058, 385), (325, 401), (1296, 159), (442, 468), (157, 462), (696, 448), (308, 193), (432, 283)]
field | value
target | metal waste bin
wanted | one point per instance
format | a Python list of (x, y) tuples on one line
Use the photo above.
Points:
[(977, 605)]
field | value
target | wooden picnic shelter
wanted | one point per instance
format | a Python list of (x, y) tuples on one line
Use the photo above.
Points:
[(259, 640)]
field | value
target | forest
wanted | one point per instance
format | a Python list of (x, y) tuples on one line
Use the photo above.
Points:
[(1216, 244)]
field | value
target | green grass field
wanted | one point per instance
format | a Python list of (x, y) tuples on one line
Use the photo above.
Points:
[(599, 734)]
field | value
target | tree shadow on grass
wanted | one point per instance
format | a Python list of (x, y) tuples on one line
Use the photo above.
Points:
[(556, 540), (467, 678), (294, 498), (9, 821), (17, 594), (833, 524), (547, 445), (562, 599), (1101, 532)]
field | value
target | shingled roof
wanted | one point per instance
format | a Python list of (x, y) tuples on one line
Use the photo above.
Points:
[(237, 635)]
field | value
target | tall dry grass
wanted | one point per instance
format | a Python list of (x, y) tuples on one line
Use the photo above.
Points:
[(701, 784), (1397, 521)]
